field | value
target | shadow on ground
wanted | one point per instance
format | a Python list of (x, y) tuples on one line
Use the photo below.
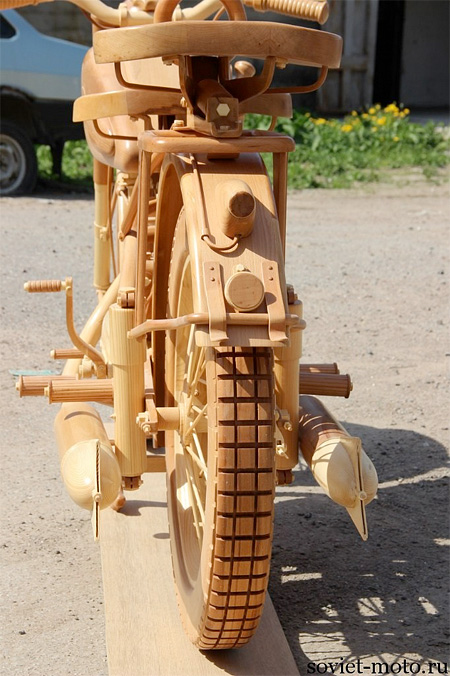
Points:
[(383, 597)]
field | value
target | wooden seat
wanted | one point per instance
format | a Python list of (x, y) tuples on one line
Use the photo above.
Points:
[(257, 39), (126, 102), (104, 99), (135, 102), (123, 155), (98, 82)]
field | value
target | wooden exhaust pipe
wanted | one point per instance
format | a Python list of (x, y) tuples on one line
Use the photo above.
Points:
[(89, 467), (337, 461)]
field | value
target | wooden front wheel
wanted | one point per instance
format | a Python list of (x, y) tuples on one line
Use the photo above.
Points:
[(220, 474)]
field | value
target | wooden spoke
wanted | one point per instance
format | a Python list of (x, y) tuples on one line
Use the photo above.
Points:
[(198, 509), (193, 501), (193, 384), (200, 454), (201, 465), (193, 425)]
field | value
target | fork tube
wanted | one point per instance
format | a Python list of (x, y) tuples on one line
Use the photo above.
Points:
[(102, 223), (128, 360), (280, 162), (144, 192)]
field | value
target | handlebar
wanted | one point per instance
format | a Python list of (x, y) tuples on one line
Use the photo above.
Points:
[(13, 4), (312, 10), (124, 15)]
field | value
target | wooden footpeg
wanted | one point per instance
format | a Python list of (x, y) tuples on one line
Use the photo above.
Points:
[(100, 391), (67, 353), (34, 386), (319, 368), (326, 384), (44, 286)]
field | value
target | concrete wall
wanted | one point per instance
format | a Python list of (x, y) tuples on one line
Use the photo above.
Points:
[(425, 56)]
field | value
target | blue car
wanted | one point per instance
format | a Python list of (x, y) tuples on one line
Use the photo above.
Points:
[(39, 80)]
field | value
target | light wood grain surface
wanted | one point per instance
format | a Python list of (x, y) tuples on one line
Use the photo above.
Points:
[(143, 630), (294, 44)]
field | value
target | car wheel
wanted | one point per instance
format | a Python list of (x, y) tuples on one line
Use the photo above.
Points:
[(18, 165)]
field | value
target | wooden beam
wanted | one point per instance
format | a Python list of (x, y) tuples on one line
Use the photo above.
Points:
[(144, 634)]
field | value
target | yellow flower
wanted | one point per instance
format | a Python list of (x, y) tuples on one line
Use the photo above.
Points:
[(381, 121), (346, 128), (374, 128), (307, 114), (396, 139), (372, 111), (320, 120), (391, 108), (378, 107), (354, 113), (365, 116), (406, 111)]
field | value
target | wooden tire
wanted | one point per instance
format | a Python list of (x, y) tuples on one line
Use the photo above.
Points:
[(220, 475)]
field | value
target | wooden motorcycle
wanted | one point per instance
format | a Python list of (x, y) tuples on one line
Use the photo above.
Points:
[(196, 338)]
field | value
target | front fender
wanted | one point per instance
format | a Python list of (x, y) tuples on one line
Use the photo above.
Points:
[(198, 192)]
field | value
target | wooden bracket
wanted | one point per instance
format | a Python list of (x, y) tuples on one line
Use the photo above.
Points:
[(56, 285), (275, 303), (148, 421), (215, 301), (358, 512)]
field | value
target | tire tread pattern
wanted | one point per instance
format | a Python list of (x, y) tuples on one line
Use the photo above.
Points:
[(244, 497)]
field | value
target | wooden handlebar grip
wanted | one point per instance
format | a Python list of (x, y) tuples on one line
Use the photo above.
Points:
[(310, 10), (12, 4), (165, 8), (44, 286)]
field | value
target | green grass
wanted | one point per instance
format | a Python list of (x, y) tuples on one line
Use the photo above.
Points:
[(333, 153), (76, 165), (330, 153)]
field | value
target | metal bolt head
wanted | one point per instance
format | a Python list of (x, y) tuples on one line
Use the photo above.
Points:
[(281, 450), (223, 109)]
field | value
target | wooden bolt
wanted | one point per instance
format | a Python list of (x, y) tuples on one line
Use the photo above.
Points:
[(244, 291), (237, 208), (244, 69)]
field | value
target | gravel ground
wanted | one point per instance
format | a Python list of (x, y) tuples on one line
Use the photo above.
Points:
[(371, 266)]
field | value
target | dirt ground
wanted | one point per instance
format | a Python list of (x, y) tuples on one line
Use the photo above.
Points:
[(372, 267)]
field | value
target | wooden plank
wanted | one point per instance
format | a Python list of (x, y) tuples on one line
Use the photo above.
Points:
[(144, 635), (258, 39)]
